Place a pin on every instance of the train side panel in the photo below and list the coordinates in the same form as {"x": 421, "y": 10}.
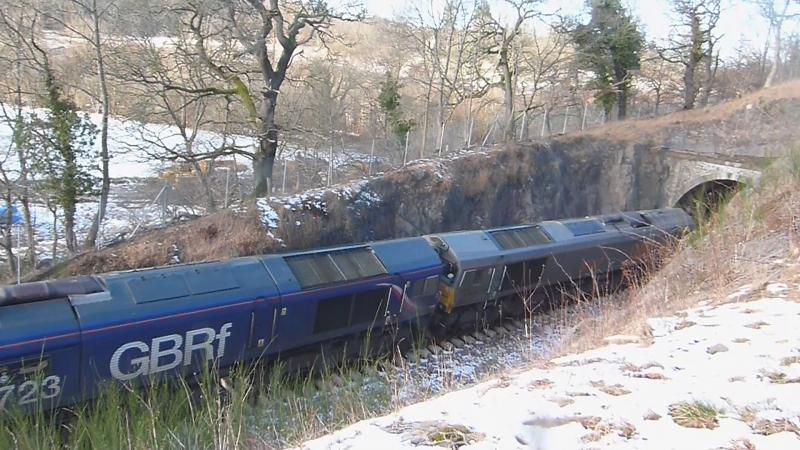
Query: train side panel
{"x": 39, "y": 344}
{"x": 167, "y": 322}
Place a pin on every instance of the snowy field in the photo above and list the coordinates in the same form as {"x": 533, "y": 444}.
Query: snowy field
{"x": 713, "y": 377}
{"x": 132, "y": 170}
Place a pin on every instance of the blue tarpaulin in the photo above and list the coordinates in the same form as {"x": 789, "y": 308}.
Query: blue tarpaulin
{"x": 16, "y": 218}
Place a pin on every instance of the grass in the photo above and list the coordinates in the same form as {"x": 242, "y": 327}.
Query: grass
{"x": 694, "y": 415}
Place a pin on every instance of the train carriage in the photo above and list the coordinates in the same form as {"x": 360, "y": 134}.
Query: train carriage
{"x": 498, "y": 267}
{"x": 60, "y": 341}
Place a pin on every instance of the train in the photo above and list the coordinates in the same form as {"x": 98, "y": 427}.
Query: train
{"x": 62, "y": 340}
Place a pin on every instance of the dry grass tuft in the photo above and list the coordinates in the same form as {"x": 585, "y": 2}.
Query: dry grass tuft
{"x": 757, "y": 325}
{"x": 780, "y": 378}
{"x": 562, "y": 401}
{"x": 540, "y": 384}
{"x": 452, "y": 436}
{"x": 223, "y": 235}
{"x": 789, "y": 360}
{"x": 615, "y": 390}
{"x": 768, "y": 427}
{"x": 694, "y": 415}
{"x": 741, "y": 444}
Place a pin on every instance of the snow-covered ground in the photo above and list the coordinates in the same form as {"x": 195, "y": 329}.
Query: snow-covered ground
{"x": 721, "y": 376}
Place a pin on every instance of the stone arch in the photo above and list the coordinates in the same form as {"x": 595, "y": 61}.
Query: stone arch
{"x": 708, "y": 194}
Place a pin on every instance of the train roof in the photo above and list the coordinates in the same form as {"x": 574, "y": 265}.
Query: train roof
{"x": 483, "y": 247}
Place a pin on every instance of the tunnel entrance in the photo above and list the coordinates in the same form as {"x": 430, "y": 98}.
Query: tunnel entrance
{"x": 707, "y": 197}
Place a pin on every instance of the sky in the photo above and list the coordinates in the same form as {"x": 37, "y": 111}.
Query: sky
{"x": 740, "y": 19}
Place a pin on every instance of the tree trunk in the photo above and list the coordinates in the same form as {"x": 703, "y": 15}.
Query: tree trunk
{"x": 425, "y": 119}
{"x": 69, "y": 229}
{"x": 696, "y": 54}
{"x": 711, "y": 76}
{"x": 264, "y": 159}
{"x": 776, "y": 55}
{"x": 105, "y": 187}
{"x": 211, "y": 203}
{"x": 24, "y": 197}
{"x": 55, "y": 236}
{"x": 622, "y": 104}
{"x": 658, "y": 102}
{"x": 8, "y": 240}
{"x": 689, "y": 87}
{"x": 508, "y": 96}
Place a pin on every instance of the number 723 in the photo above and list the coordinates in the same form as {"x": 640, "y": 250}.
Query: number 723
{"x": 30, "y": 391}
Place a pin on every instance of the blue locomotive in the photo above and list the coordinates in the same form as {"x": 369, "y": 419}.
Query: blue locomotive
{"x": 61, "y": 340}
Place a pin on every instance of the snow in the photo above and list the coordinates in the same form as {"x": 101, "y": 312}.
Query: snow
{"x": 269, "y": 218}
{"x": 127, "y": 139}
{"x": 621, "y": 395}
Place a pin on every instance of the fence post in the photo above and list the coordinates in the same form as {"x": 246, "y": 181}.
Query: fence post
{"x": 524, "y": 124}
{"x": 283, "y": 182}
{"x": 544, "y": 121}
{"x": 227, "y": 183}
{"x": 371, "y": 157}
{"x": 469, "y": 136}
{"x": 19, "y": 252}
{"x": 441, "y": 138}
{"x": 330, "y": 166}
{"x": 566, "y": 120}
{"x": 405, "y": 152}
{"x": 489, "y": 133}
{"x": 583, "y": 121}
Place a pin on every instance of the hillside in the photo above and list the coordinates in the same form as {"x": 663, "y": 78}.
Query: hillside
{"x": 608, "y": 169}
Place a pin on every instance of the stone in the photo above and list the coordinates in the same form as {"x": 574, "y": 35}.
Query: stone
{"x": 651, "y": 415}
{"x": 718, "y": 348}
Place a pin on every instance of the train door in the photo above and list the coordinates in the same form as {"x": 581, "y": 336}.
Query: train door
{"x": 39, "y": 344}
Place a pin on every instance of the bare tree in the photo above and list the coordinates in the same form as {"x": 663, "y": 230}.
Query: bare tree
{"x": 63, "y": 138}
{"x": 544, "y": 73}
{"x": 661, "y": 78}
{"x": 12, "y": 65}
{"x": 84, "y": 19}
{"x": 268, "y": 34}
{"x": 152, "y": 72}
{"x": 776, "y": 12}
{"x": 499, "y": 37}
{"x": 693, "y": 46}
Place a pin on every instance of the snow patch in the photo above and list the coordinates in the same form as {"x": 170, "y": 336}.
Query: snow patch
{"x": 269, "y": 218}
{"x": 625, "y": 396}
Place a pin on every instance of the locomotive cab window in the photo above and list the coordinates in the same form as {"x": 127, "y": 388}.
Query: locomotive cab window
{"x": 522, "y": 274}
{"x": 475, "y": 278}
{"x": 431, "y": 285}
{"x": 427, "y": 286}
